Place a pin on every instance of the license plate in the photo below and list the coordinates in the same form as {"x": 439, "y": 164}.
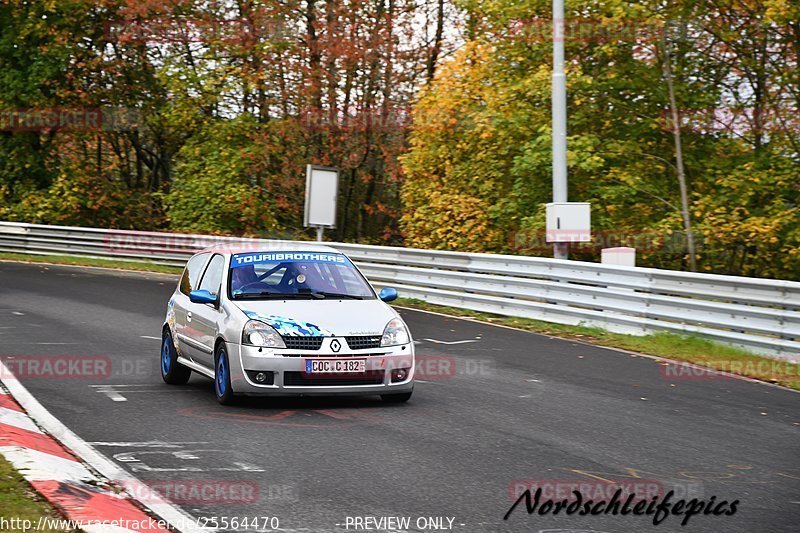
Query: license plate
{"x": 335, "y": 366}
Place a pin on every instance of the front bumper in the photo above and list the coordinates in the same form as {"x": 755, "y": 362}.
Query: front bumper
{"x": 286, "y": 368}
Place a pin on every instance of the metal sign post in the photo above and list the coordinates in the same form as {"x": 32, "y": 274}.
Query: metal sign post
{"x": 560, "y": 249}
{"x": 322, "y": 191}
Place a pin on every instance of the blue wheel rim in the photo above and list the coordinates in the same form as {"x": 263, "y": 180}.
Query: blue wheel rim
{"x": 166, "y": 359}
{"x": 222, "y": 375}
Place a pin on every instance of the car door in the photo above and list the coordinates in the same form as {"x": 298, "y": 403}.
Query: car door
{"x": 190, "y": 281}
{"x": 203, "y": 318}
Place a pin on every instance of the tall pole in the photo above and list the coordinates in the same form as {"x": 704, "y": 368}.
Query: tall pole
{"x": 560, "y": 249}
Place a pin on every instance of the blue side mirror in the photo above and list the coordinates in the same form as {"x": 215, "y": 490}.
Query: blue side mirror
{"x": 388, "y": 294}
{"x": 202, "y": 297}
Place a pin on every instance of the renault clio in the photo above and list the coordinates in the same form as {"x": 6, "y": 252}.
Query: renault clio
{"x": 278, "y": 321}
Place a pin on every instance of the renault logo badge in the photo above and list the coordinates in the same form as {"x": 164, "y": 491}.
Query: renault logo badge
{"x": 336, "y": 345}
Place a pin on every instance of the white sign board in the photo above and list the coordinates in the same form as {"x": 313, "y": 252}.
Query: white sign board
{"x": 322, "y": 189}
{"x": 621, "y": 255}
{"x": 568, "y": 222}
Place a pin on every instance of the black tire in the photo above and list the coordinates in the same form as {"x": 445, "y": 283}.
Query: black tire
{"x": 222, "y": 377}
{"x": 172, "y": 371}
{"x": 402, "y": 397}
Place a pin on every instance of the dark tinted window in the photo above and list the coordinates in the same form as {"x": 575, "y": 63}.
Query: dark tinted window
{"x": 212, "y": 279}
{"x": 191, "y": 274}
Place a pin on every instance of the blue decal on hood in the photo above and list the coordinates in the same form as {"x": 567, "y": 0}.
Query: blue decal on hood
{"x": 290, "y": 327}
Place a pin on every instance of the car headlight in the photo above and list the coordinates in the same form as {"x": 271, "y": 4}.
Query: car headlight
{"x": 257, "y": 333}
{"x": 395, "y": 333}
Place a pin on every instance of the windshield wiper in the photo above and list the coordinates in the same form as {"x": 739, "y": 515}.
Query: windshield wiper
{"x": 338, "y": 295}
{"x": 268, "y": 295}
{"x": 316, "y": 295}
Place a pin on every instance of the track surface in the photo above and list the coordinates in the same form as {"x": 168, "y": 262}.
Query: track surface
{"x": 518, "y": 406}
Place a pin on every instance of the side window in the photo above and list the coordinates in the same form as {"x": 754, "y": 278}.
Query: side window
{"x": 191, "y": 274}
{"x": 212, "y": 279}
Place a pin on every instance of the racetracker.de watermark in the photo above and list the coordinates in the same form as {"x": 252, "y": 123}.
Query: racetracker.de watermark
{"x": 72, "y": 366}
{"x": 538, "y": 241}
{"x": 733, "y": 120}
{"x": 724, "y": 369}
{"x": 66, "y": 119}
{"x": 434, "y": 367}
{"x": 637, "y": 31}
{"x": 587, "y": 30}
{"x": 196, "y": 30}
{"x": 55, "y": 367}
{"x": 604, "y": 491}
{"x": 200, "y": 491}
{"x": 392, "y": 118}
{"x": 151, "y": 243}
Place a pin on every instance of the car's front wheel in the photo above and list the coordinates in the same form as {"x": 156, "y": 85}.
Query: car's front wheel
{"x": 222, "y": 377}
{"x": 172, "y": 371}
{"x": 397, "y": 398}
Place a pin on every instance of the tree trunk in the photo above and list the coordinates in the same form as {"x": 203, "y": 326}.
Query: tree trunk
{"x": 676, "y": 134}
{"x": 437, "y": 41}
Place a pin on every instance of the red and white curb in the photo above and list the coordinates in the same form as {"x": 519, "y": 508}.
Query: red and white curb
{"x": 72, "y": 475}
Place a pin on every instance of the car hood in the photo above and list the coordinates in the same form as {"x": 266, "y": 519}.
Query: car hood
{"x": 297, "y": 318}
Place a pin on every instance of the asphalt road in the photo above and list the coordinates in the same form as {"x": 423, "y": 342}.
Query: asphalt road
{"x": 496, "y": 410}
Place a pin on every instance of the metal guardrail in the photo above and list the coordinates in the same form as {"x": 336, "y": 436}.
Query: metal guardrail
{"x": 759, "y": 314}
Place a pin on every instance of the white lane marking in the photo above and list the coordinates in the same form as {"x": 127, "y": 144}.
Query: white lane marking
{"x": 122, "y": 385}
{"x": 42, "y": 344}
{"x": 525, "y": 396}
{"x": 104, "y": 466}
{"x": 41, "y": 466}
{"x": 156, "y": 391}
{"x": 17, "y": 313}
{"x": 53, "y": 343}
{"x": 147, "y": 444}
{"x": 117, "y": 395}
{"x": 137, "y": 463}
{"x": 533, "y": 380}
{"x": 150, "y": 337}
{"x": 18, "y": 420}
{"x": 117, "y": 385}
{"x": 109, "y": 391}
{"x": 451, "y": 342}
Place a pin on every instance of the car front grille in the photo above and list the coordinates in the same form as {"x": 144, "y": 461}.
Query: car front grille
{"x": 364, "y": 342}
{"x": 331, "y": 355}
{"x": 301, "y": 379}
{"x": 303, "y": 343}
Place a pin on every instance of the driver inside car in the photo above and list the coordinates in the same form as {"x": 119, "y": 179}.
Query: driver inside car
{"x": 243, "y": 276}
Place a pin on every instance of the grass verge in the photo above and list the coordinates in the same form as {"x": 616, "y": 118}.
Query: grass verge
{"x": 19, "y": 501}
{"x": 691, "y": 349}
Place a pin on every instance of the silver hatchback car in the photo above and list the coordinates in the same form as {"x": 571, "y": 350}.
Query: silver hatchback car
{"x": 281, "y": 321}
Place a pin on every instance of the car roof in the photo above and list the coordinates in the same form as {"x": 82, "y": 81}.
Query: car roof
{"x": 268, "y": 246}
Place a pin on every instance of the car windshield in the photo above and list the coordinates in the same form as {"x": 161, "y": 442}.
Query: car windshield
{"x": 311, "y": 275}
